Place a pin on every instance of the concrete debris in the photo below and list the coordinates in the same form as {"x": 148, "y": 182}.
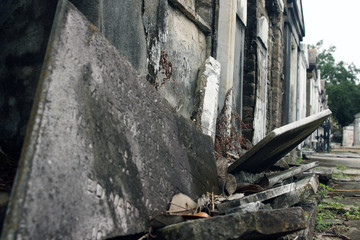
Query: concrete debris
{"x": 303, "y": 189}
{"x": 251, "y": 207}
{"x": 261, "y": 196}
{"x": 276, "y": 178}
{"x": 263, "y": 224}
{"x": 233, "y": 216}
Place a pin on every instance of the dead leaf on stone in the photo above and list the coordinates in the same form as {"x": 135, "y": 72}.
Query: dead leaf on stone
{"x": 182, "y": 204}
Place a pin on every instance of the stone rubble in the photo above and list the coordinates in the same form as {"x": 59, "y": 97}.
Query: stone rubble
{"x": 269, "y": 214}
{"x": 281, "y": 203}
{"x": 286, "y": 209}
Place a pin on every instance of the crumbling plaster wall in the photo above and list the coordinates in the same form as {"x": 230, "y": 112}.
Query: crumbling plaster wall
{"x": 164, "y": 41}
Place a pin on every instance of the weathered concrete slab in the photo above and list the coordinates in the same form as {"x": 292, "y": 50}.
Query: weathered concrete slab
{"x": 303, "y": 190}
{"x": 264, "y": 224}
{"x": 103, "y": 150}
{"x": 278, "y": 177}
{"x": 277, "y": 143}
{"x": 258, "y": 197}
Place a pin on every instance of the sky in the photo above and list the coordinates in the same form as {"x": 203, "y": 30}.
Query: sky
{"x": 337, "y": 23}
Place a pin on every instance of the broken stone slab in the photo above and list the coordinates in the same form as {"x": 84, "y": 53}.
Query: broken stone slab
{"x": 246, "y": 177}
{"x": 324, "y": 174}
{"x": 103, "y": 151}
{"x": 207, "y": 95}
{"x": 263, "y": 224}
{"x": 278, "y": 143}
{"x": 261, "y": 196}
{"x": 304, "y": 188}
{"x": 279, "y": 177}
{"x": 310, "y": 210}
{"x": 250, "y": 207}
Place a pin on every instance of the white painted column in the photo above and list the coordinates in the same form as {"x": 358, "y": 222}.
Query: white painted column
{"x": 226, "y": 50}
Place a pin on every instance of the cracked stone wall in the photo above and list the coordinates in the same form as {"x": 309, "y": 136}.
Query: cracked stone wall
{"x": 167, "y": 41}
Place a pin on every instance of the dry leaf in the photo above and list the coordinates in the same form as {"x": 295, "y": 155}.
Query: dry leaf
{"x": 196, "y": 216}
{"x": 182, "y": 204}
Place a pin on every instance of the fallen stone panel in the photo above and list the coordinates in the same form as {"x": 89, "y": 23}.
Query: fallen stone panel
{"x": 276, "y": 178}
{"x": 278, "y": 143}
{"x": 303, "y": 189}
{"x": 103, "y": 151}
{"x": 263, "y": 224}
{"x": 261, "y": 196}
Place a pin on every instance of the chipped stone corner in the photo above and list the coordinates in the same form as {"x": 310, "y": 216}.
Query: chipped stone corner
{"x": 207, "y": 93}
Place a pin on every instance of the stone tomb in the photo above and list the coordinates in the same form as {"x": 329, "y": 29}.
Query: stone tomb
{"x": 278, "y": 143}
{"x": 103, "y": 151}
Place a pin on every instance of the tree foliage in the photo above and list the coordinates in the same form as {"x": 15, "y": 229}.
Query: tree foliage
{"x": 341, "y": 84}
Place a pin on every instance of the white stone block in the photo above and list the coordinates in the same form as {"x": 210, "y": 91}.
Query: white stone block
{"x": 348, "y": 136}
{"x": 263, "y": 30}
{"x": 208, "y": 90}
{"x": 280, "y": 5}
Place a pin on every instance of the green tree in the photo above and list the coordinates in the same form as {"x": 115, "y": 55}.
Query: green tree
{"x": 341, "y": 84}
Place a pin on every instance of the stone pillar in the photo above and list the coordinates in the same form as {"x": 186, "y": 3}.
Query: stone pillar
{"x": 357, "y": 130}
{"x": 208, "y": 93}
{"x": 348, "y": 136}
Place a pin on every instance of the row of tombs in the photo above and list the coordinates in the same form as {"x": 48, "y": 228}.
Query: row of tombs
{"x": 122, "y": 119}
